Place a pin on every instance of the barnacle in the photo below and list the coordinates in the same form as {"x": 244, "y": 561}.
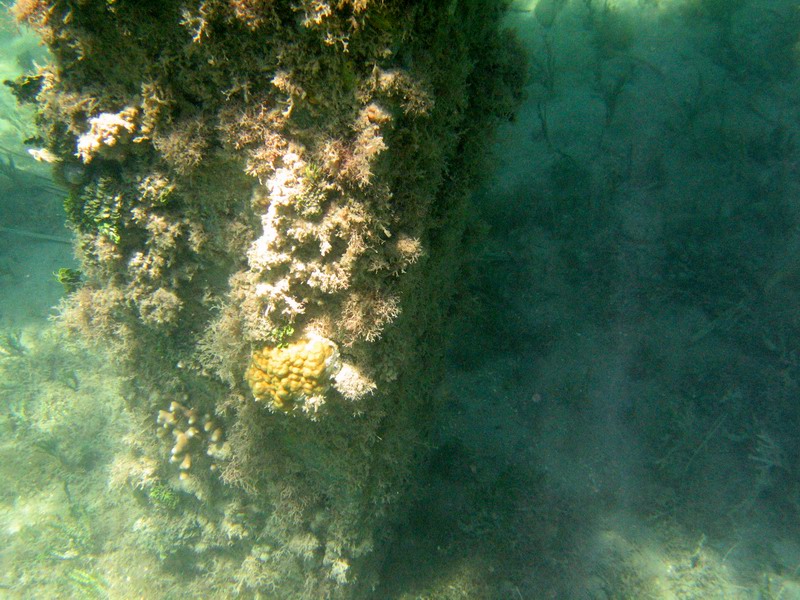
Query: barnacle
{"x": 284, "y": 375}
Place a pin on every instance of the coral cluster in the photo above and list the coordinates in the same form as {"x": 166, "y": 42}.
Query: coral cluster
{"x": 284, "y": 376}
{"x": 196, "y": 439}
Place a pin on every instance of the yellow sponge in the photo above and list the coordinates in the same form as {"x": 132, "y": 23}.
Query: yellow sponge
{"x": 285, "y": 375}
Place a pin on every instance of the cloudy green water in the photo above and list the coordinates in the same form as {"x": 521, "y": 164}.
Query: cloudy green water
{"x": 625, "y": 371}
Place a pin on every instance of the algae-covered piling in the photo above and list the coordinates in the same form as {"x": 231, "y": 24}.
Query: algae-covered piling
{"x": 270, "y": 204}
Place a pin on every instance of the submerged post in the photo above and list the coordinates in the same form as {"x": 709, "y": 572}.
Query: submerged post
{"x": 270, "y": 201}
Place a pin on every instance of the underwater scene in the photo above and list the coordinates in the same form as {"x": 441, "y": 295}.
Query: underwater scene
{"x": 395, "y": 300}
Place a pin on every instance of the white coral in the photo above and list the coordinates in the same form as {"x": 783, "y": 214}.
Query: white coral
{"x": 351, "y": 383}
{"x": 277, "y": 295}
{"x": 106, "y": 131}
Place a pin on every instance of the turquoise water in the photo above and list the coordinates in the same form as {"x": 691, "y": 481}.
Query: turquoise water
{"x": 621, "y": 398}
{"x": 32, "y": 203}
